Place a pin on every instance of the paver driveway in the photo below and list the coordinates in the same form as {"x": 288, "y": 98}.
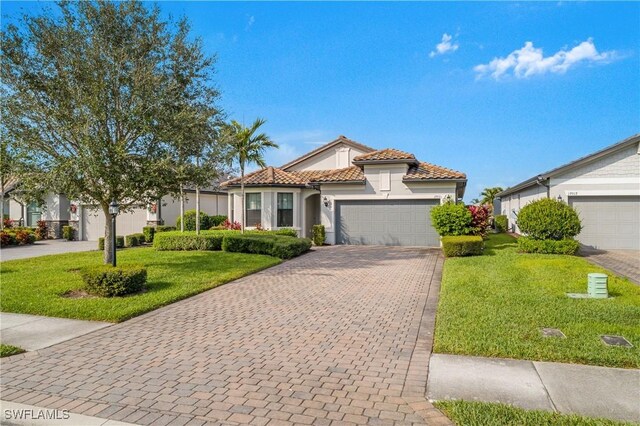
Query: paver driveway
{"x": 342, "y": 334}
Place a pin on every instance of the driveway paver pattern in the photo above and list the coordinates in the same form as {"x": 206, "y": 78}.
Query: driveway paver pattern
{"x": 625, "y": 263}
{"x": 341, "y": 335}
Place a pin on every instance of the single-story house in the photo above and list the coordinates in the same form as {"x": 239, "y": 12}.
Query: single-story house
{"x": 89, "y": 222}
{"x": 361, "y": 195}
{"x": 603, "y": 187}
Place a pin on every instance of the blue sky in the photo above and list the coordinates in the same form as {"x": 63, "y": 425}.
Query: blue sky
{"x": 485, "y": 102}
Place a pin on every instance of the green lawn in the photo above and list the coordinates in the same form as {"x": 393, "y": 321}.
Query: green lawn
{"x": 466, "y": 413}
{"x": 35, "y": 286}
{"x": 494, "y": 305}
{"x": 8, "y": 350}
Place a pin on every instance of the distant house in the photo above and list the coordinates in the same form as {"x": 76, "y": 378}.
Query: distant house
{"x": 89, "y": 222}
{"x": 361, "y": 195}
{"x": 603, "y": 187}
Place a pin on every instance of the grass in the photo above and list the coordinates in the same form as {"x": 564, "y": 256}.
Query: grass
{"x": 494, "y": 305}
{"x": 37, "y": 285}
{"x": 467, "y": 413}
{"x": 8, "y": 350}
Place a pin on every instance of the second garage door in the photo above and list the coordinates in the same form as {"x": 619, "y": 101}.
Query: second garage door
{"x": 388, "y": 222}
{"x": 93, "y": 222}
{"x": 609, "y": 222}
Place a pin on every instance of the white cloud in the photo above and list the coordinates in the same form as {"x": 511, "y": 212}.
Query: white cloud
{"x": 529, "y": 61}
{"x": 251, "y": 20}
{"x": 446, "y": 45}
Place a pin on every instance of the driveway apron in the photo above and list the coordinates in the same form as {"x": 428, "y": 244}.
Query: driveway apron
{"x": 342, "y": 334}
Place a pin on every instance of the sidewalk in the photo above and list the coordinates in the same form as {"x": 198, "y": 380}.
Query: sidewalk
{"x": 33, "y": 332}
{"x": 612, "y": 393}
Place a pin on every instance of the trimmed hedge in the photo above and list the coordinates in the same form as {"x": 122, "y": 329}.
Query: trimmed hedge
{"x": 134, "y": 240}
{"x": 549, "y": 219}
{"x": 501, "y": 222}
{"x": 217, "y": 220}
{"x": 149, "y": 232}
{"x": 190, "y": 221}
{"x": 107, "y": 281}
{"x": 280, "y": 246}
{"x": 451, "y": 219}
{"x": 119, "y": 242}
{"x": 68, "y": 233}
{"x": 319, "y": 235}
{"x": 566, "y": 246}
{"x": 467, "y": 245}
{"x": 164, "y": 228}
{"x": 289, "y": 232}
{"x": 191, "y": 241}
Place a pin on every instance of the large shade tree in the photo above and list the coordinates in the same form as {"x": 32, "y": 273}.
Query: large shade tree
{"x": 102, "y": 97}
{"x": 247, "y": 146}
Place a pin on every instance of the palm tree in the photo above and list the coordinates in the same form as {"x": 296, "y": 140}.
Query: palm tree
{"x": 247, "y": 147}
{"x": 488, "y": 194}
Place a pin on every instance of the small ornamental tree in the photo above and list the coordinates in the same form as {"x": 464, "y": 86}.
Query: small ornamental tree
{"x": 479, "y": 220}
{"x": 451, "y": 219}
{"x": 549, "y": 219}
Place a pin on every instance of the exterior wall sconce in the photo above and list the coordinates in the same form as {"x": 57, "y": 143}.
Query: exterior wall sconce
{"x": 559, "y": 198}
{"x": 326, "y": 202}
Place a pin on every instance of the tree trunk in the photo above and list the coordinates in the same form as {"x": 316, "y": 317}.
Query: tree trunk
{"x": 108, "y": 238}
{"x": 197, "y": 203}
{"x": 244, "y": 207}
{"x": 2, "y": 202}
{"x": 181, "y": 209}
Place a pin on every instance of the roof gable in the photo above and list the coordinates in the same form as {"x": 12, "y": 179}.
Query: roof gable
{"x": 340, "y": 140}
{"x": 385, "y": 156}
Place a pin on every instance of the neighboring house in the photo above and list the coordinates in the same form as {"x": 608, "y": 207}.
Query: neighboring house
{"x": 603, "y": 187}
{"x": 361, "y": 195}
{"x": 89, "y": 222}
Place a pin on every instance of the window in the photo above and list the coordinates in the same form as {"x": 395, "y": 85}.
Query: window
{"x": 285, "y": 209}
{"x": 34, "y": 214}
{"x": 254, "y": 209}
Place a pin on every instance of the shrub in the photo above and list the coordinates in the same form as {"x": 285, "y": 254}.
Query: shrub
{"x": 479, "y": 220}
{"x": 235, "y": 226}
{"x": 119, "y": 242}
{"x": 451, "y": 219}
{"x": 107, "y": 281}
{"x": 68, "y": 233}
{"x": 42, "y": 230}
{"x": 549, "y": 219}
{"x": 141, "y": 237}
{"x": 501, "y": 222}
{"x": 191, "y": 241}
{"x": 190, "y": 221}
{"x": 131, "y": 240}
{"x": 24, "y": 236}
{"x": 566, "y": 246}
{"x": 149, "y": 232}
{"x": 7, "y": 223}
{"x": 466, "y": 245}
{"x": 7, "y": 238}
{"x": 289, "y": 232}
{"x": 319, "y": 235}
{"x": 164, "y": 228}
{"x": 281, "y": 246}
{"x": 217, "y": 220}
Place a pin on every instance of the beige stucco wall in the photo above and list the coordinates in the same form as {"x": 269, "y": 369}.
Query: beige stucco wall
{"x": 329, "y": 159}
{"x": 614, "y": 174}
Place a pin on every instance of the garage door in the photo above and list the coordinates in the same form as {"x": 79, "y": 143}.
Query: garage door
{"x": 609, "y": 222}
{"x": 127, "y": 223}
{"x": 388, "y": 222}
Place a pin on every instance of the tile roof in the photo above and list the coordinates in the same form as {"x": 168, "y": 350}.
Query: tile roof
{"x": 338, "y": 140}
{"x": 427, "y": 171}
{"x": 385, "y": 155}
{"x": 348, "y": 174}
{"x": 268, "y": 176}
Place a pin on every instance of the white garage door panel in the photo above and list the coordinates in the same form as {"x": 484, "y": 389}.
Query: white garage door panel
{"x": 397, "y": 222}
{"x": 93, "y": 222}
{"x": 609, "y": 222}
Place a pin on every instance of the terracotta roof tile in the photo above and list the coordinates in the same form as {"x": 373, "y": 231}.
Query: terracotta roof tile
{"x": 310, "y": 175}
{"x": 385, "y": 155}
{"x": 348, "y": 174}
{"x": 427, "y": 171}
{"x": 268, "y": 176}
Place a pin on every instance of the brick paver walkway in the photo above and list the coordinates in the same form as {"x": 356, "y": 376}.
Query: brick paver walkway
{"x": 340, "y": 335}
{"x": 623, "y": 262}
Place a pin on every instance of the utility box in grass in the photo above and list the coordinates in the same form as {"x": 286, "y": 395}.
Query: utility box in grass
{"x": 597, "y": 286}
